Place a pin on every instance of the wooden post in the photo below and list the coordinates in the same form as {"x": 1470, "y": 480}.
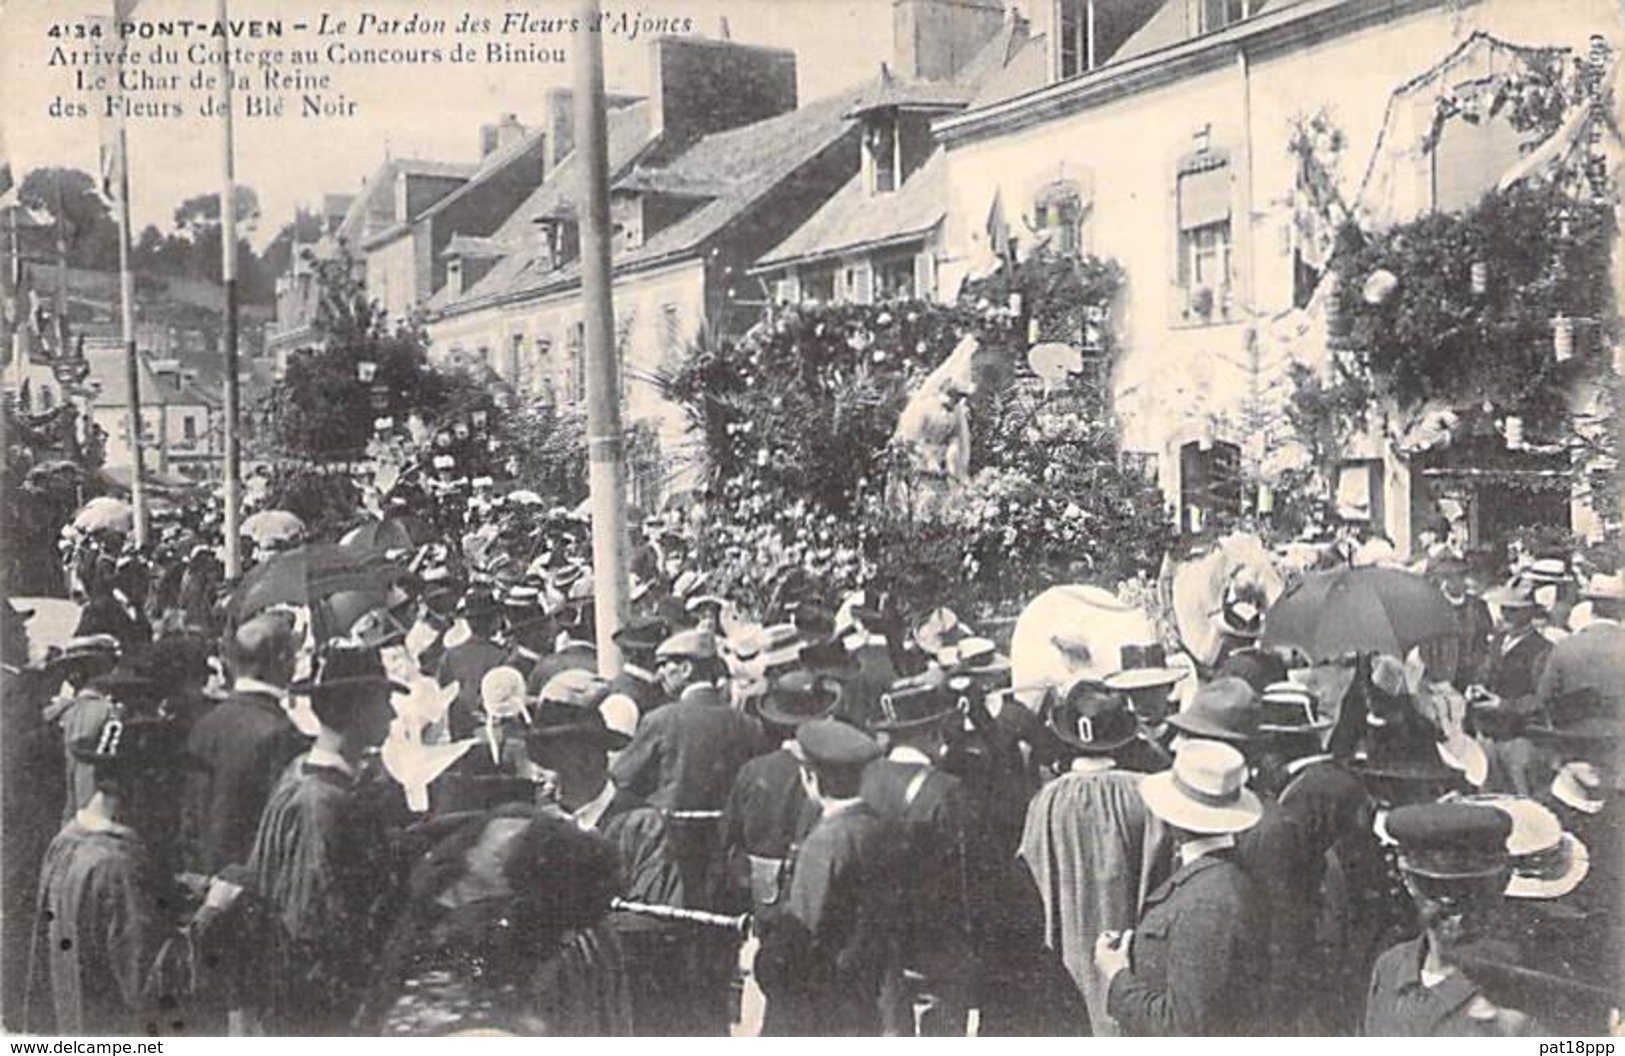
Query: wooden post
{"x": 605, "y": 452}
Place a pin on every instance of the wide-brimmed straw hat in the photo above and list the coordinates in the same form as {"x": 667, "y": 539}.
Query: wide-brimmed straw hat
{"x": 1546, "y": 861}
{"x": 1143, "y": 667}
{"x": 1205, "y": 791}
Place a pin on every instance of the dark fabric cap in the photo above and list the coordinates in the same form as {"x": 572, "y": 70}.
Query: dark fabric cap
{"x": 1450, "y": 840}
{"x": 831, "y": 743}
{"x": 642, "y": 636}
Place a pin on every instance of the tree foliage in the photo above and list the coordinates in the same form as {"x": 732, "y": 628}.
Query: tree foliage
{"x": 190, "y": 249}
{"x": 1542, "y": 254}
{"x": 326, "y": 406}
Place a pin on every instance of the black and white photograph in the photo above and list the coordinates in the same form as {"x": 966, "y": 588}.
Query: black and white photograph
{"x": 801, "y": 518}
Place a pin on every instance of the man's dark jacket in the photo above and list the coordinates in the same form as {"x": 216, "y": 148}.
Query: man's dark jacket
{"x": 244, "y": 742}
{"x": 1196, "y": 958}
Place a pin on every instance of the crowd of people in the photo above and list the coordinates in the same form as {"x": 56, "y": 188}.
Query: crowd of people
{"x": 434, "y": 816}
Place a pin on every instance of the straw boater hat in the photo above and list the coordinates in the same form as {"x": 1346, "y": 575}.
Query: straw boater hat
{"x": 940, "y": 629}
{"x": 779, "y": 648}
{"x": 1605, "y": 588}
{"x": 1289, "y": 708}
{"x": 1546, "y": 861}
{"x": 915, "y": 702}
{"x": 1143, "y": 667}
{"x": 973, "y": 656}
{"x": 1548, "y": 570}
{"x": 1518, "y": 594}
{"x": 688, "y": 645}
{"x": 1204, "y": 792}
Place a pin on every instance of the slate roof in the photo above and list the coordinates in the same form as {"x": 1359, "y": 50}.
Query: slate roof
{"x": 1026, "y": 70}
{"x": 888, "y": 90}
{"x": 472, "y": 246}
{"x": 734, "y": 170}
{"x": 382, "y": 181}
{"x": 107, "y": 374}
{"x": 489, "y": 167}
{"x": 854, "y": 218}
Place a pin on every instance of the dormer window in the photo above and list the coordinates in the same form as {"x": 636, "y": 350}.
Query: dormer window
{"x": 1214, "y": 15}
{"x": 1077, "y": 37}
{"x": 563, "y": 241}
{"x": 880, "y": 151}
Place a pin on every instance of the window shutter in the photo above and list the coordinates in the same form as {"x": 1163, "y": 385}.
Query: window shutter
{"x": 864, "y": 284}
{"x": 1204, "y": 197}
{"x": 925, "y": 275}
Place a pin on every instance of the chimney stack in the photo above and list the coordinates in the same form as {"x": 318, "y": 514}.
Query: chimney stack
{"x": 700, "y": 86}
{"x": 932, "y": 40}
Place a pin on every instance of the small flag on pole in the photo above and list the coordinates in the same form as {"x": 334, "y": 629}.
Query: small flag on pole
{"x": 998, "y": 228}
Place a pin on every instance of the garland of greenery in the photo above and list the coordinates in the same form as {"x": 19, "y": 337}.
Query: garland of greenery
{"x": 795, "y": 421}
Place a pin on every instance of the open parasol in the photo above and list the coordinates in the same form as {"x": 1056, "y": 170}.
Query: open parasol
{"x": 1359, "y": 610}
{"x": 271, "y": 527}
{"x": 105, "y": 514}
{"x": 336, "y": 583}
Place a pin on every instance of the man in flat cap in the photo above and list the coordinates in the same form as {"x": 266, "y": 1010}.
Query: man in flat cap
{"x": 685, "y": 755}
{"x": 1454, "y": 860}
{"x": 683, "y": 760}
{"x": 823, "y": 960}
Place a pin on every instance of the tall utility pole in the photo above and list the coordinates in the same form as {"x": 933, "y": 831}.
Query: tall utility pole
{"x": 606, "y": 474}
{"x": 132, "y": 364}
{"x": 228, "y": 279}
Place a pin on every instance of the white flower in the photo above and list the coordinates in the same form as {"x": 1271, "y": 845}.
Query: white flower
{"x": 1073, "y": 511}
